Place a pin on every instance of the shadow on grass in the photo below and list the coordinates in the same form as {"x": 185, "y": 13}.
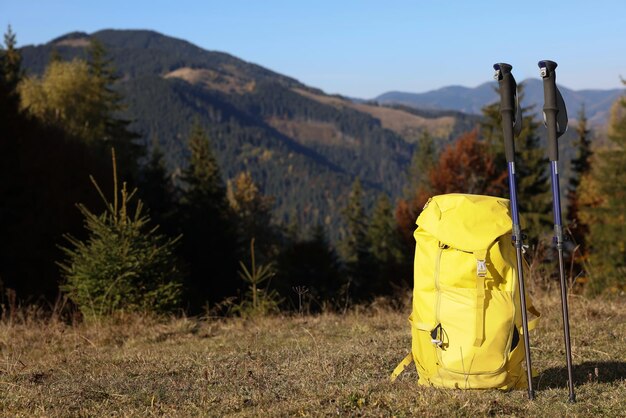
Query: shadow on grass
{"x": 587, "y": 372}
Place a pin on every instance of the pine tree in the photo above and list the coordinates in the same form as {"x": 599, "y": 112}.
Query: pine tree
{"x": 11, "y": 61}
{"x": 209, "y": 244}
{"x": 10, "y": 76}
{"x": 355, "y": 245}
{"x": 607, "y": 232}
{"x": 383, "y": 233}
{"x": 491, "y": 133}
{"x": 156, "y": 189}
{"x": 418, "y": 188}
{"x": 106, "y": 123}
{"x": 581, "y": 164}
{"x": 580, "y": 168}
{"x": 124, "y": 264}
{"x": 252, "y": 211}
{"x": 386, "y": 247}
{"x": 423, "y": 159}
{"x": 533, "y": 188}
{"x": 312, "y": 266}
{"x": 202, "y": 176}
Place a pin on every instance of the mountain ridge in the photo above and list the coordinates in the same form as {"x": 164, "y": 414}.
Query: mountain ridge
{"x": 471, "y": 99}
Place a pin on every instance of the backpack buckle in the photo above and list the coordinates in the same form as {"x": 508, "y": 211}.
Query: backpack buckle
{"x": 481, "y": 268}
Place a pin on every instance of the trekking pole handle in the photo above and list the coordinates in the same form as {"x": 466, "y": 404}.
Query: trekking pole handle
{"x": 550, "y": 108}
{"x": 508, "y": 106}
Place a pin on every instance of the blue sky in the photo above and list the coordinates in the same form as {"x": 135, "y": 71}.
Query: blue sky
{"x": 364, "y": 48}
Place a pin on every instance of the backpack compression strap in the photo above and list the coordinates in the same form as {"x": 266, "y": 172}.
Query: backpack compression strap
{"x": 403, "y": 365}
{"x": 481, "y": 272}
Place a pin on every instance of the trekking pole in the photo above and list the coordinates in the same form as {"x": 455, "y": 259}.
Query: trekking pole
{"x": 511, "y": 126}
{"x": 555, "y": 116}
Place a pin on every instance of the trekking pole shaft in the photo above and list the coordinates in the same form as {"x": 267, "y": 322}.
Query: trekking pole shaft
{"x": 558, "y": 239}
{"x": 550, "y": 111}
{"x": 517, "y": 241}
{"x": 522, "y": 293}
{"x": 508, "y": 110}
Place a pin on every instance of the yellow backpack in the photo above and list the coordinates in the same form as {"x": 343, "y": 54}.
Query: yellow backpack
{"x": 466, "y": 319}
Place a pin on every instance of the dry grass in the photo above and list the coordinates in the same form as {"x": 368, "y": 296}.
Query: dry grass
{"x": 403, "y": 123}
{"x": 74, "y": 43}
{"x": 311, "y": 132}
{"x": 288, "y": 366}
{"x": 407, "y": 124}
{"x": 227, "y": 81}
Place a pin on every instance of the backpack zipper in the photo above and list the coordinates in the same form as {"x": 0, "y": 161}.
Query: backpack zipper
{"x": 437, "y": 288}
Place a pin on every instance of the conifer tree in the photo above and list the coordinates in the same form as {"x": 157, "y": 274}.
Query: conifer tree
{"x": 156, "y": 189}
{"x": 209, "y": 244}
{"x": 311, "y": 265}
{"x": 580, "y": 168}
{"x": 534, "y": 191}
{"x": 124, "y": 264}
{"x": 355, "y": 245}
{"x": 608, "y": 230}
{"x": 533, "y": 188}
{"x": 252, "y": 211}
{"x": 11, "y": 61}
{"x": 383, "y": 233}
{"x": 418, "y": 188}
{"x": 423, "y": 159}
{"x": 106, "y": 123}
{"x": 491, "y": 133}
{"x": 386, "y": 247}
{"x": 10, "y": 76}
{"x": 202, "y": 176}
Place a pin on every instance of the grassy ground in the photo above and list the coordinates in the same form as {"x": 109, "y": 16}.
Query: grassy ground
{"x": 290, "y": 366}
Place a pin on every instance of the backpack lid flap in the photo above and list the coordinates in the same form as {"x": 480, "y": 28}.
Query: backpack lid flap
{"x": 464, "y": 221}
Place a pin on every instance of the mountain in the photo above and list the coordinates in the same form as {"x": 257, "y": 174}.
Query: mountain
{"x": 304, "y": 147}
{"x": 470, "y": 100}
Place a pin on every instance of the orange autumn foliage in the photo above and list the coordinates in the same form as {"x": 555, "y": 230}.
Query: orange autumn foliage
{"x": 465, "y": 166}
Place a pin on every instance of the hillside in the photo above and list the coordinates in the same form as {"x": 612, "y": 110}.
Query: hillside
{"x": 470, "y": 100}
{"x": 304, "y": 147}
